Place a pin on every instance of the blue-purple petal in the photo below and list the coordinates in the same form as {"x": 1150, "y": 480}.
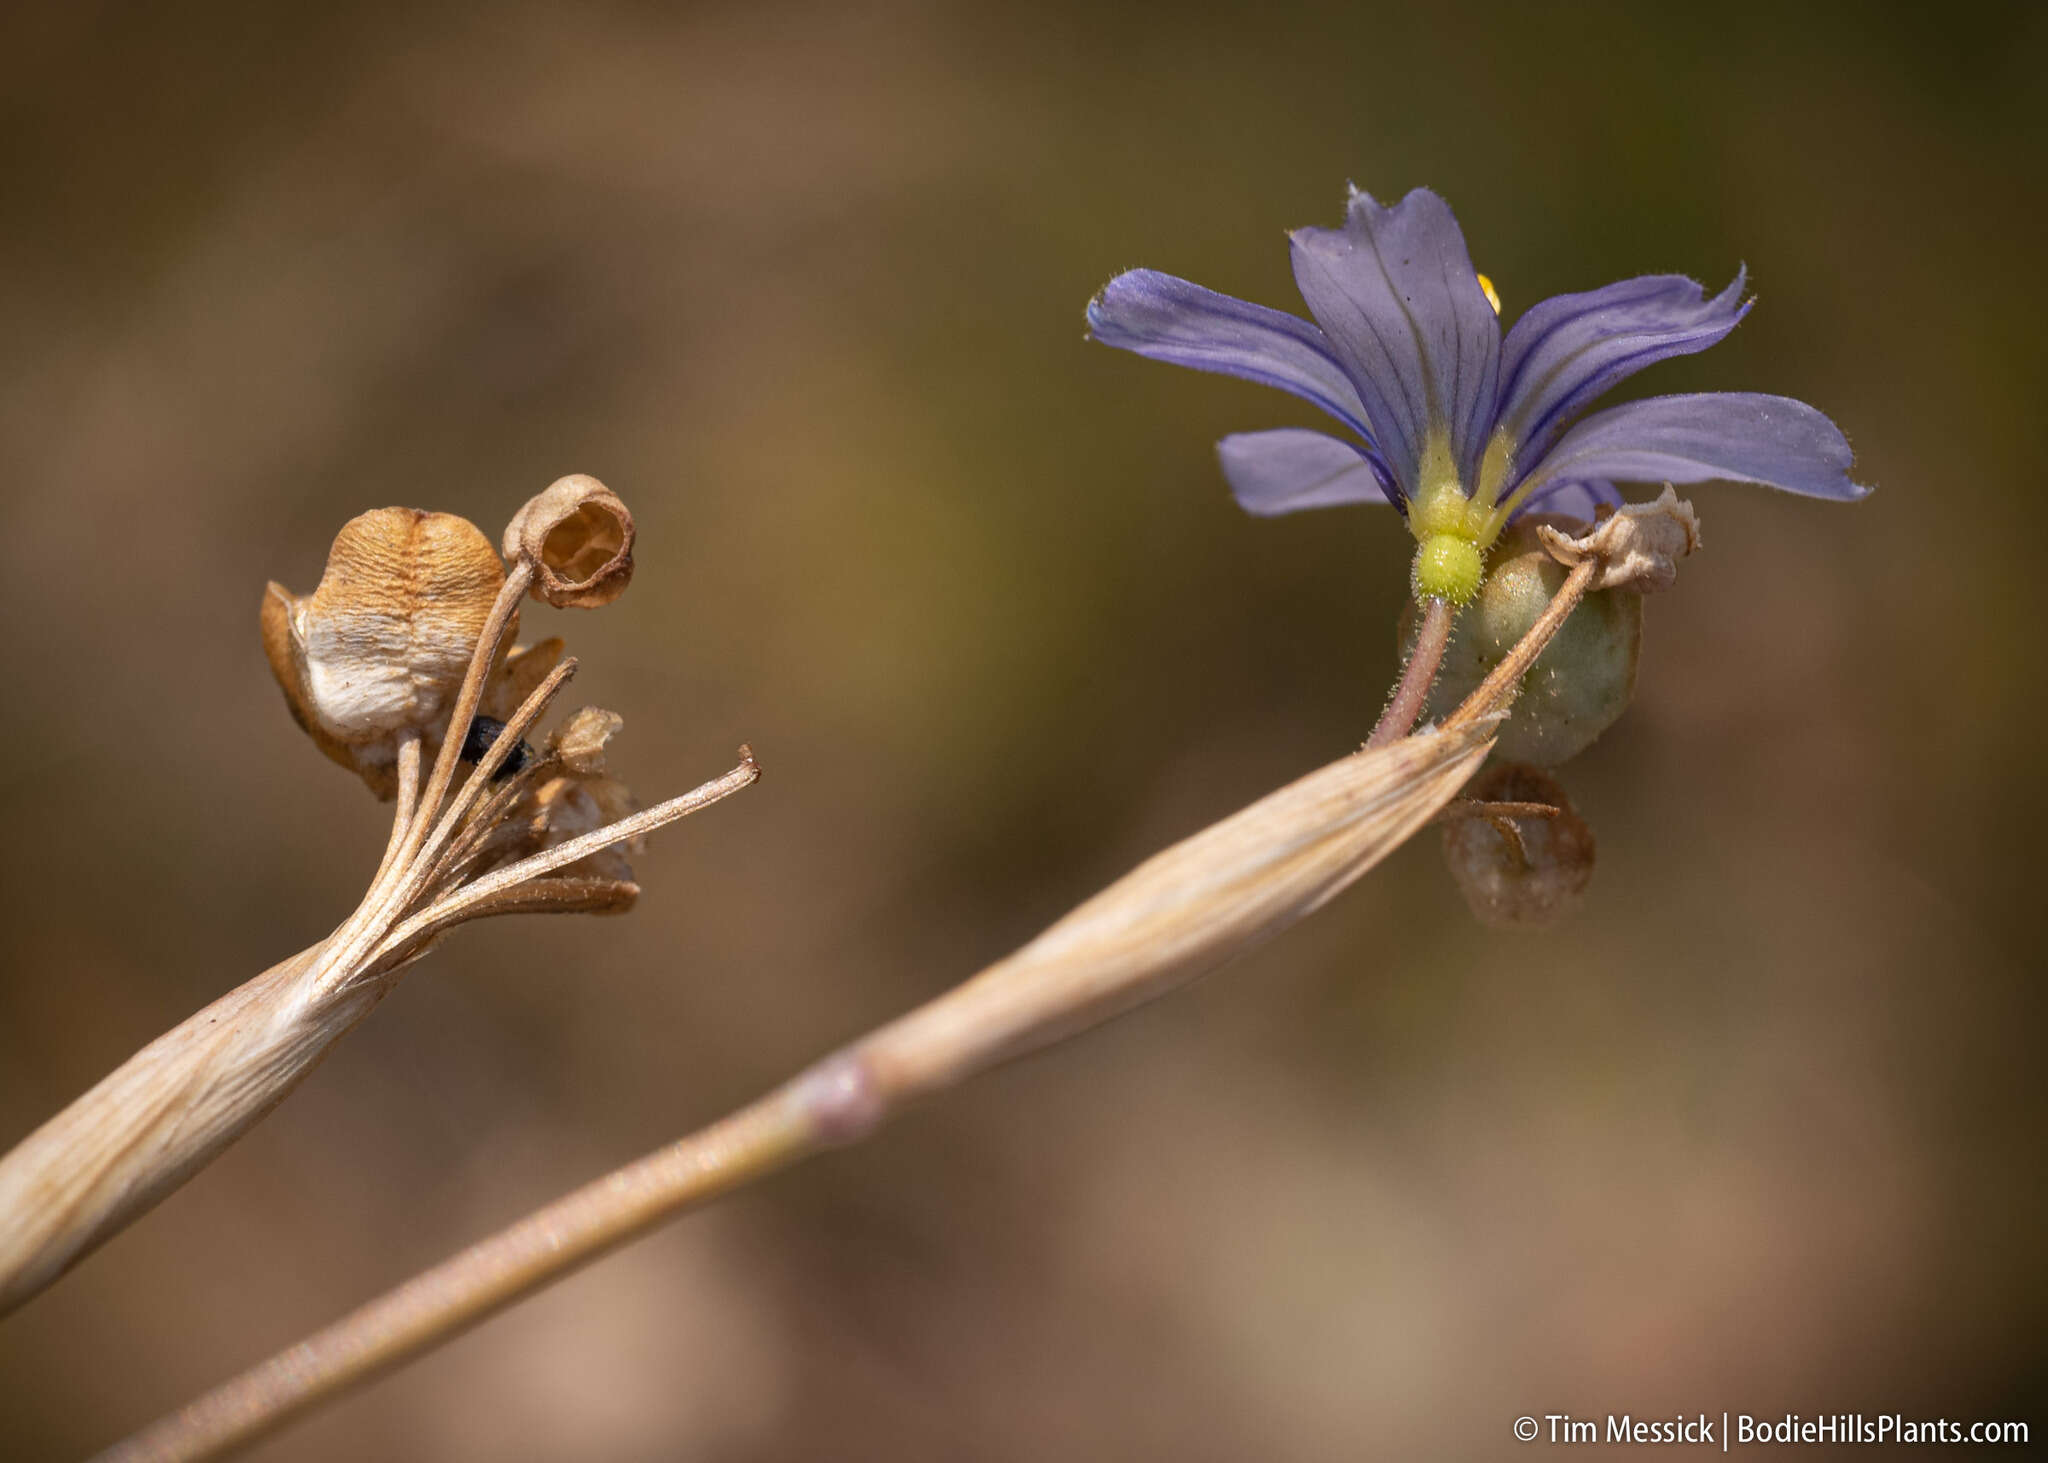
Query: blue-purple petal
{"x": 1568, "y": 350}
{"x": 1290, "y": 468}
{"x": 1579, "y": 498}
{"x": 1734, "y": 435}
{"x": 1169, "y": 319}
{"x": 1396, "y": 295}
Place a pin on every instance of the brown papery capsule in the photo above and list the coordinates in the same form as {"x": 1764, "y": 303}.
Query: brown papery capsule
{"x": 578, "y": 537}
{"x": 382, "y": 645}
{"x": 1519, "y": 871}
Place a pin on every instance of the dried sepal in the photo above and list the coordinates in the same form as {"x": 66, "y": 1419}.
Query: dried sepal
{"x": 580, "y": 742}
{"x": 565, "y": 893}
{"x": 380, "y": 648}
{"x": 1518, "y": 871}
{"x": 558, "y": 806}
{"x": 578, "y": 537}
{"x": 523, "y": 669}
{"x": 1639, "y": 545}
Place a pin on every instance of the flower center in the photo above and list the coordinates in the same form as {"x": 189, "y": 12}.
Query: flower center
{"x": 1452, "y": 528}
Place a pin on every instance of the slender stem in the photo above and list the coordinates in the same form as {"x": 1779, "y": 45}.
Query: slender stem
{"x": 1418, "y": 675}
{"x": 486, "y": 655}
{"x": 459, "y": 858}
{"x": 463, "y": 902}
{"x": 402, "y": 875}
{"x": 1510, "y": 836}
{"x": 1497, "y": 692}
{"x": 433, "y": 856}
{"x": 499, "y": 619}
{"x": 408, "y": 793}
{"x": 1476, "y": 808}
{"x": 447, "y": 1300}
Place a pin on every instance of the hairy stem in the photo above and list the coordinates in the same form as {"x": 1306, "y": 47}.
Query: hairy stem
{"x": 1418, "y": 675}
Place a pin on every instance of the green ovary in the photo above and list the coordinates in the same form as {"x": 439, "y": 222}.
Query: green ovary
{"x": 1452, "y": 531}
{"x": 1449, "y": 567}
{"x": 1451, "y": 527}
{"x": 1577, "y": 688}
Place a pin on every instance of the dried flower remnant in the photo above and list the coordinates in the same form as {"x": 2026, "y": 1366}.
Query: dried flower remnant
{"x": 1456, "y": 427}
{"x": 399, "y": 655}
{"x": 574, "y": 795}
{"x": 1639, "y": 545}
{"x": 1517, "y": 867}
{"x": 578, "y": 537}
{"x": 380, "y": 648}
{"x": 582, "y": 740}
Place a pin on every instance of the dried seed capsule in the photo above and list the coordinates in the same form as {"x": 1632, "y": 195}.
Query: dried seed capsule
{"x": 1521, "y": 871}
{"x": 1581, "y": 683}
{"x": 578, "y": 537}
{"x": 381, "y": 646}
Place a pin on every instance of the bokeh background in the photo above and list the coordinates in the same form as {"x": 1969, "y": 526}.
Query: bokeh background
{"x": 1760, "y": 1130}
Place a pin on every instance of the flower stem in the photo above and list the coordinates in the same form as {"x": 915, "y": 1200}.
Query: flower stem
{"x": 1418, "y": 675}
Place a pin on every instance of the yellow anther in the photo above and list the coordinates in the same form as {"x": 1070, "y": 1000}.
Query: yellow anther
{"x": 1492, "y": 298}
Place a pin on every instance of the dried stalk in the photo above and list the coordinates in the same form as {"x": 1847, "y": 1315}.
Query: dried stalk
{"x": 1183, "y": 912}
{"x": 174, "y": 1106}
{"x": 1179, "y": 914}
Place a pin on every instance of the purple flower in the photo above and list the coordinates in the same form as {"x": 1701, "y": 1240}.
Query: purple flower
{"x": 1460, "y": 429}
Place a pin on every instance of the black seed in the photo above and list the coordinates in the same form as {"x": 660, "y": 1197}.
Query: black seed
{"x": 484, "y": 732}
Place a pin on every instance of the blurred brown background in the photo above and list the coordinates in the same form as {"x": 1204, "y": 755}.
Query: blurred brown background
{"x": 1760, "y": 1130}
